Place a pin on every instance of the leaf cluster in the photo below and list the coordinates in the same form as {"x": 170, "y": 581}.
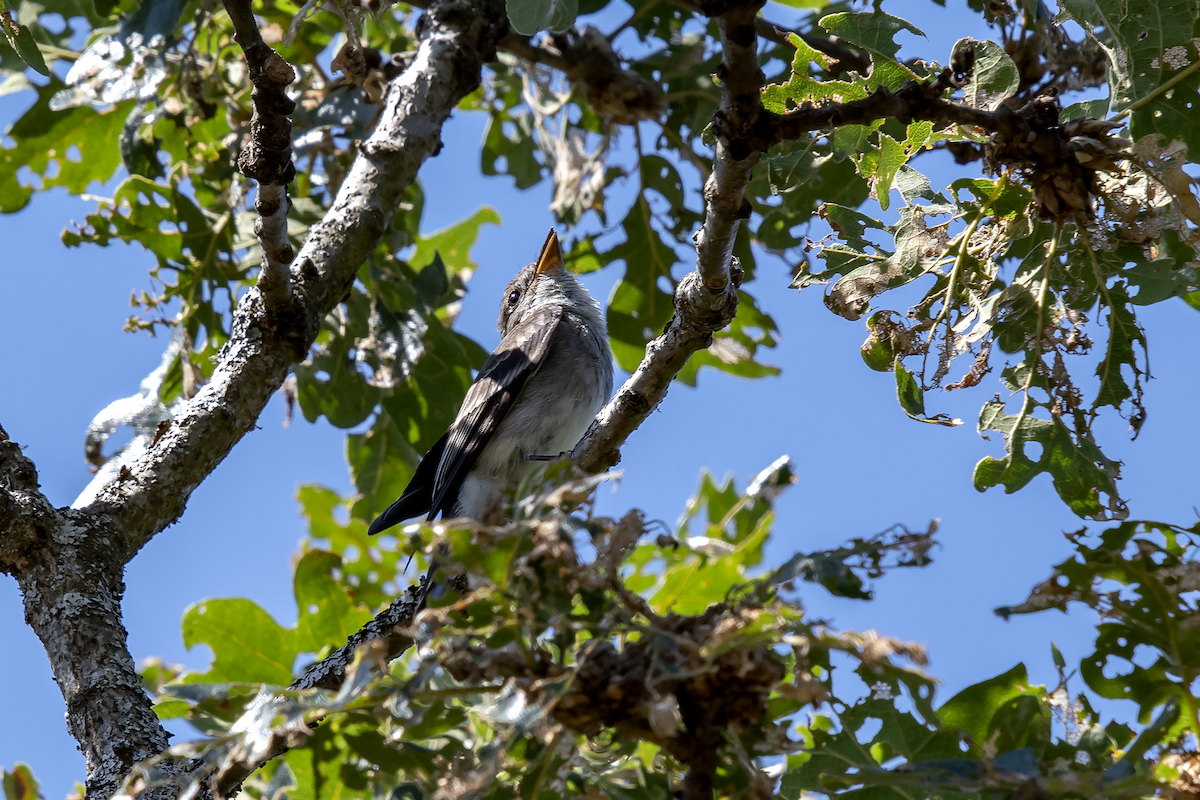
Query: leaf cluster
{"x": 582, "y": 659}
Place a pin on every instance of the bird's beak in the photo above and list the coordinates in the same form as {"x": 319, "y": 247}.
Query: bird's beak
{"x": 551, "y": 256}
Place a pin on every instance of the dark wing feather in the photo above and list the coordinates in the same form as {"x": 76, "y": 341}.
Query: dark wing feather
{"x": 489, "y": 399}
{"x": 434, "y": 486}
{"x": 418, "y": 495}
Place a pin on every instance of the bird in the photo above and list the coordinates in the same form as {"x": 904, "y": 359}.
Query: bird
{"x": 532, "y": 400}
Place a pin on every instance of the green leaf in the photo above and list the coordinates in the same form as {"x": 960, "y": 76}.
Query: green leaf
{"x": 1172, "y": 110}
{"x": 23, "y": 43}
{"x": 1156, "y": 731}
{"x": 639, "y": 308}
{"x": 1136, "y": 576}
{"x": 1096, "y": 109}
{"x": 891, "y": 158}
{"x": 527, "y": 17}
{"x": 368, "y": 563}
{"x": 1135, "y": 40}
{"x": 1123, "y": 334}
{"x": 19, "y": 783}
{"x": 80, "y": 143}
{"x": 517, "y": 149}
{"x": 381, "y": 463}
{"x": 1080, "y": 471}
{"x": 454, "y": 243}
{"x": 1057, "y": 655}
{"x": 972, "y": 709}
{"x": 994, "y": 78}
{"x": 692, "y": 586}
{"x": 802, "y": 87}
{"x": 1021, "y": 722}
{"x": 328, "y": 615}
{"x": 247, "y": 644}
{"x": 908, "y": 391}
{"x": 330, "y": 382}
{"x": 803, "y": 182}
{"x": 166, "y": 221}
{"x": 875, "y": 31}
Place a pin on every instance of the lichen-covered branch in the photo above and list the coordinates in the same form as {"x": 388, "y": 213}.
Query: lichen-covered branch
{"x": 267, "y": 157}
{"x": 71, "y": 585}
{"x": 705, "y": 300}
{"x": 387, "y": 628}
{"x": 456, "y": 39}
{"x": 69, "y": 563}
{"x": 739, "y": 115}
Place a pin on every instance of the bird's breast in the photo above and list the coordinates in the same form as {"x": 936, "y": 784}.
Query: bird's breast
{"x": 556, "y": 405}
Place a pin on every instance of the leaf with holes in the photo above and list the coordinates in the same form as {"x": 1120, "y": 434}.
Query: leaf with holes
{"x": 80, "y": 143}
{"x": 1147, "y": 44}
{"x": 1139, "y": 577}
{"x": 875, "y": 31}
{"x": 1081, "y": 473}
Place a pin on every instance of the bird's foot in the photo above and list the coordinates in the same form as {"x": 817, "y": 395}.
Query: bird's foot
{"x": 564, "y": 454}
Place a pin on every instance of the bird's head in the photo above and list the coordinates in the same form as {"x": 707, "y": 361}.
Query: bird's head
{"x": 545, "y": 282}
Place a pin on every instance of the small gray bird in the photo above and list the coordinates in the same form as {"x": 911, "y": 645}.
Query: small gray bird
{"x": 534, "y": 398}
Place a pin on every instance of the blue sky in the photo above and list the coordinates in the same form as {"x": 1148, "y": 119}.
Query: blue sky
{"x": 862, "y": 464}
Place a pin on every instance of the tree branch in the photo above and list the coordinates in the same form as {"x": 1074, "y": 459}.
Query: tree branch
{"x": 456, "y": 39}
{"x": 267, "y": 157}
{"x": 69, "y": 563}
{"x": 914, "y": 100}
{"x": 386, "y": 628}
{"x": 71, "y": 585}
{"x": 385, "y": 633}
{"x": 706, "y": 299}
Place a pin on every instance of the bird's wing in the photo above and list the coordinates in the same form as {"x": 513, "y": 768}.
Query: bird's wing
{"x": 488, "y": 401}
{"x": 418, "y": 495}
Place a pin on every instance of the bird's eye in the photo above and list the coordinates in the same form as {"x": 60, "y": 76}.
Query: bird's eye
{"x": 513, "y": 297}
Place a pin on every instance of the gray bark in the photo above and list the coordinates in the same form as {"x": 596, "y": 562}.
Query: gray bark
{"x": 69, "y": 563}
{"x": 70, "y": 580}
{"x": 706, "y": 299}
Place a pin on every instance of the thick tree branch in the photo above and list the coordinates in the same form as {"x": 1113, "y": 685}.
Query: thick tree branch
{"x": 69, "y": 563}
{"x": 705, "y": 300}
{"x": 456, "y": 38}
{"x": 71, "y": 586}
{"x": 267, "y": 157}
